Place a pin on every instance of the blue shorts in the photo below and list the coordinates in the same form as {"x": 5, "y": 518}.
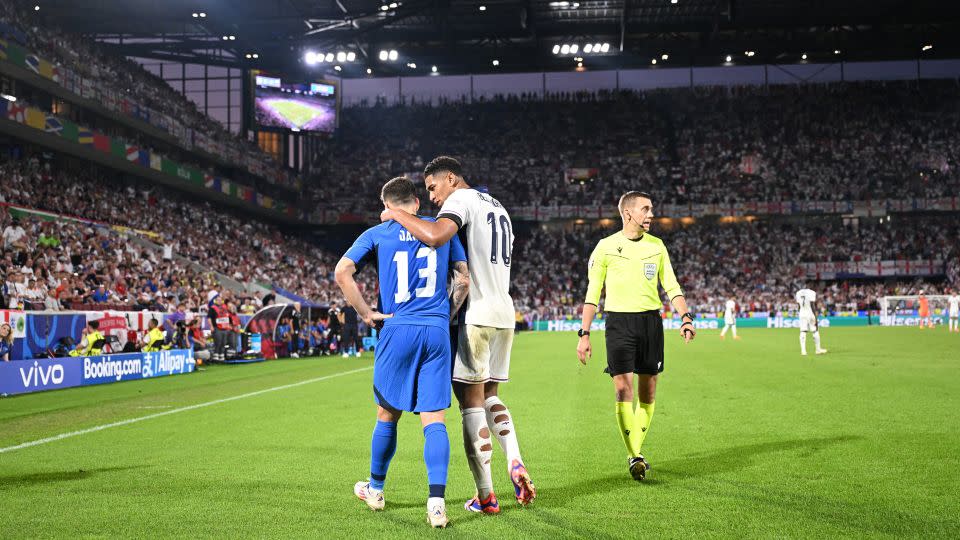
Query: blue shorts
{"x": 412, "y": 368}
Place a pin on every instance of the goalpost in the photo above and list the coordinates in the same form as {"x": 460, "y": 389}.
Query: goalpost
{"x": 904, "y": 310}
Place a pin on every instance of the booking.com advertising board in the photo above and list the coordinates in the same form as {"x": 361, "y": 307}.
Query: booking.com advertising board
{"x": 754, "y": 322}
{"x": 26, "y": 376}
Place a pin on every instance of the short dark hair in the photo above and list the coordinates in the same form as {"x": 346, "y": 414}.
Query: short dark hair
{"x": 94, "y": 324}
{"x": 441, "y": 164}
{"x": 399, "y": 190}
{"x": 629, "y": 196}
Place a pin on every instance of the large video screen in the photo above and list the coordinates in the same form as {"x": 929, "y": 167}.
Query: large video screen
{"x": 283, "y": 105}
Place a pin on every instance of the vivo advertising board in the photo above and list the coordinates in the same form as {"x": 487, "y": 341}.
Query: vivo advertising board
{"x": 25, "y": 376}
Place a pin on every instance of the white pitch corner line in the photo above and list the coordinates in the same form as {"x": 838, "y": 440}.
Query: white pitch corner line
{"x": 175, "y": 411}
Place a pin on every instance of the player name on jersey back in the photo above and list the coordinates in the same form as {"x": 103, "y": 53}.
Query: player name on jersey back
{"x": 487, "y": 230}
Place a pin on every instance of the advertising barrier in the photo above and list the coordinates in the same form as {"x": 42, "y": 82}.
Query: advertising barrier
{"x": 573, "y": 325}
{"x": 37, "y": 332}
{"x": 122, "y": 149}
{"x": 27, "y": 376}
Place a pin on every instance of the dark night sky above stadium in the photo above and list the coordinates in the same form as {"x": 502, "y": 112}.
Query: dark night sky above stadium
{"x": 460, "y": 37}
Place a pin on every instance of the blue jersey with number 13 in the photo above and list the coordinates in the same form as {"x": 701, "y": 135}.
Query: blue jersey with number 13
{"x": 413, "y": 276}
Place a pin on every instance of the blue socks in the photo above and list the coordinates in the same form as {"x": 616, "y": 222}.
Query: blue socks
{"x": 383, "y": 447}
{"x": 436, "y": 454}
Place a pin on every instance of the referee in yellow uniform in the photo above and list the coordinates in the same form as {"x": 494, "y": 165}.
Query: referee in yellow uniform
{"x": 630, "y": 264}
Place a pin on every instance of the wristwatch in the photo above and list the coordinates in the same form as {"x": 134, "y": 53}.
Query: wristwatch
{"x": 687, "y": 314}
{"x": 581, "y": 332}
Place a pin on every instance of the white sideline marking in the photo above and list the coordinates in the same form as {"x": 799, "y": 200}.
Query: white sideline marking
{"x": 174, "y": 411}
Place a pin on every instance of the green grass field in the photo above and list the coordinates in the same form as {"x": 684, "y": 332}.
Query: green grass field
{"x": 749, "y": 440}
{"x": 297, "y": 113}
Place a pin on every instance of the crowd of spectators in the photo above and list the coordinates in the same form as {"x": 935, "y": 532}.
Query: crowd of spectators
{"x": 757, "y": 262}
{"x": 63, "y": 264}
{"x": 849, "y": 141}
{"x": 246, "y": 250}
{"x": 55, "y": 265}
{"x": 88, "y": 58}
{"x": 842, "y": 141}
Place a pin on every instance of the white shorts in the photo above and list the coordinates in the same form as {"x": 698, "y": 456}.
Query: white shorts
{"x": 483, "y": 354}
{"x": 729, "y": 322}
{"x": 808, "y": 324}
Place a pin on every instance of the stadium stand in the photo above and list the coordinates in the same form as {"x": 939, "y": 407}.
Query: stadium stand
{"x": 137, "y": 93}
{"x": 849, "y": 142}
{"x": 235, "y": 246}
{"x": 715, "y": 260}
{"x": 759, "y": 263}
{"x": 833, "y": 142}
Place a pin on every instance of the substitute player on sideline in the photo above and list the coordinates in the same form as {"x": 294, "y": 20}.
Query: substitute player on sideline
{"x": 729, "y": 319}
{"x": 411, "y": 370}
{"x": 630, "y": 264}
{"x": 484, "y": 342}
{"x": 807, "y": 300}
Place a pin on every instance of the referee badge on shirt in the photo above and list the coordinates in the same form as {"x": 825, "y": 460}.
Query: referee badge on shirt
{"x": 650, "y": 270}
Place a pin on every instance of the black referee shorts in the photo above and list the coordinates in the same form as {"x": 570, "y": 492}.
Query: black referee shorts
{"x": 634, "y": 343}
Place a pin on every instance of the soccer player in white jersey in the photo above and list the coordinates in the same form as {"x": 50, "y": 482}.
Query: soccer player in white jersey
{"x": 730, "y": 319}
{"x": 954, "y": 303}
{"x": 807, "y": 300}
{"x": 485, "y": 338}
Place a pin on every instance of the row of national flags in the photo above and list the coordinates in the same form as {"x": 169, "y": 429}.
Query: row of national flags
{"x": 40, "y": 120}
{"x": 86, "y": 87}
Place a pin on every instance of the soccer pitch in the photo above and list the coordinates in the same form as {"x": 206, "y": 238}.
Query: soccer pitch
{"x": 749, "y": 440}
{"x": 298, "y": 114}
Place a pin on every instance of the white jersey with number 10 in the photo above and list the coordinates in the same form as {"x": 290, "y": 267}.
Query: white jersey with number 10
{"x": 489, "y": 244}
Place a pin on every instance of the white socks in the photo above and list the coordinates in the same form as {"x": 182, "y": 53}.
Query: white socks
{"x": 816, "y": 340}
{"x": 803, "y": 343}
{"x": 476, "y": 442}
{"x": 501, "y": 424}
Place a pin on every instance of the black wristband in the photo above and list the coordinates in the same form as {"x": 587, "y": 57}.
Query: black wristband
{"x": 581, "y": 332}
{"x": 688, "y": 314}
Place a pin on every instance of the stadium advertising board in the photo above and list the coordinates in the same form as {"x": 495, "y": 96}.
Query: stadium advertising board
{"x": 26, "y": 376}
{"x": 909, "y": 320}
{"x": 294, "y": 106}
{"x": 717, "y": 323}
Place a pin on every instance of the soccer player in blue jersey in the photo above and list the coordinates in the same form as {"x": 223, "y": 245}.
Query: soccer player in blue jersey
{"x": 412, "y": 363}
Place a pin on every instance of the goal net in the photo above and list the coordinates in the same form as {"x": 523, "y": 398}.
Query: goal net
{"x": 905, "y": 310}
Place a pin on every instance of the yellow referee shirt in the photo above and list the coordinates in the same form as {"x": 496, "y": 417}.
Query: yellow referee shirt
{"x": 631, "y": 270}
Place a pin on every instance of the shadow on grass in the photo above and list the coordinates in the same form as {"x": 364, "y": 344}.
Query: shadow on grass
{"x": 737, "y": 458}
{"x": 20, "y": 480}
{"x": 720, "y": 461}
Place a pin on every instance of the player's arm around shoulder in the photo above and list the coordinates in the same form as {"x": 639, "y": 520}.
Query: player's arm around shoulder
{"x": 433, "y": 233}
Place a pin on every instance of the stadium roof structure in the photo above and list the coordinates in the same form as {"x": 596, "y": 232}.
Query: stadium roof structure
{"x": 483, "y": 36}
